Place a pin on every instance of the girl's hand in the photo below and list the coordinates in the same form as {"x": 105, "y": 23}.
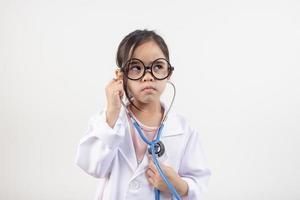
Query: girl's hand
{"x": 114, "y": 91}
{"x": 156, "y": 180}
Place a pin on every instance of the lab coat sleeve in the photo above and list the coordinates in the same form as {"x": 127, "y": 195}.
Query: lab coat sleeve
{"x": 193, "y": 168}
{"x": 97, "y": 149}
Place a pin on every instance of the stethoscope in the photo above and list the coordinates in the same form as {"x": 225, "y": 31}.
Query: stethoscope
{"x": 156, "y": 148}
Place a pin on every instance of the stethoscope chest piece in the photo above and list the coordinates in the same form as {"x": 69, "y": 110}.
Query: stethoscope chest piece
{"x": 159, "y": 149}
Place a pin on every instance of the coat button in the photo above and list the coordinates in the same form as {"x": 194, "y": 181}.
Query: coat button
{"x": 134, "y": 185}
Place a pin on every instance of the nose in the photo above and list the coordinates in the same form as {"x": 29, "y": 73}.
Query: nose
{"x": 148, "y": 76}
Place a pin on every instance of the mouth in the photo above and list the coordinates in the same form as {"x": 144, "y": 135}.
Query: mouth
{"x": 148, "y": 89}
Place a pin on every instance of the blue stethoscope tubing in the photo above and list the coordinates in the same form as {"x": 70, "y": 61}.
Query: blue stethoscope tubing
{"x": 155, "y": 161}
{"x": 152, "y": 147}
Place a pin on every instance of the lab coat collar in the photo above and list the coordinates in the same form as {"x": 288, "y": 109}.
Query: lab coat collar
{"x": 172, "y": 124}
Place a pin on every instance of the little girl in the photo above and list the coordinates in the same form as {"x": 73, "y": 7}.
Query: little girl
{"x": 113, "y": 148}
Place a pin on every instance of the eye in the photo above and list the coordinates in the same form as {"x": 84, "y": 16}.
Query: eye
{"x": 135, "y": 68}
{"x": 157, "y": 67}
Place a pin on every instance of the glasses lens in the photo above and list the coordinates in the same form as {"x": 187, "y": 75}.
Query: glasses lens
{"x": 160, "y": 68}
{"x": 134, "y": 69}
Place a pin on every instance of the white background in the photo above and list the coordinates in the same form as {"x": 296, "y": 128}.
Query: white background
{"x": 236, "y": 72}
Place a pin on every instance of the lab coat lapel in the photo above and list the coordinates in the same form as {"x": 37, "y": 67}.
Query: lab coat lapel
{"x": 126, "y": 147}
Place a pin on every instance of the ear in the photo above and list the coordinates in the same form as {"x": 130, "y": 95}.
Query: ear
{"x": 118, "y": 74}
{"x": 169, "y": 77}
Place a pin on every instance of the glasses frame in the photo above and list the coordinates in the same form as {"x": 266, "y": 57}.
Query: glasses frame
{"x": 148, "y": 68}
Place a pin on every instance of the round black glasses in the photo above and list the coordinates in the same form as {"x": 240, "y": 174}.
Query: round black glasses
{"x": 135, "y": 69}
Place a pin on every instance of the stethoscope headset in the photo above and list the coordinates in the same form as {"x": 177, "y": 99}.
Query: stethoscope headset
{"x": 156, "y": 147}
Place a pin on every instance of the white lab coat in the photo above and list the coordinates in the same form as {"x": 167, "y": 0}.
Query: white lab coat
{"x": 109, "y": 154}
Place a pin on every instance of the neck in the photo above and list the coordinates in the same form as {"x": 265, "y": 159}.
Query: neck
{"x": 149, "y": 114}
{"x": 149, "y": 108}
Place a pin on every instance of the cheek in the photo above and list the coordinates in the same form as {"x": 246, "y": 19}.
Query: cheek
{"x": 162, "y": 86}
{"x": 132, "y": 87}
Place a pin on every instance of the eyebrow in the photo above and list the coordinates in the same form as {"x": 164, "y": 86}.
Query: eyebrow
{"x": 133, "y": 61}
{"x": 158, "y": 61}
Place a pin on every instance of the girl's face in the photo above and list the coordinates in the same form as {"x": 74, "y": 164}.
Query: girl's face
{"x": 147, "y": 89}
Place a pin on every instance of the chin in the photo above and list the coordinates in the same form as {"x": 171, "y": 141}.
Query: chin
{"x": 148, "y": 99}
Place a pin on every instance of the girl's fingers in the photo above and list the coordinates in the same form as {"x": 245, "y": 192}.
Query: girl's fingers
{"x": 158, "y": 160}
{"x": 118, "y": 74}
{"x": 151, "y": 181}
{"x": 150, "y": 173}
{"x": 152, "y": 166}
{"x": 115, "y": 85}
{"x": 116, "y": 81}
{"x": 118, "y": 86}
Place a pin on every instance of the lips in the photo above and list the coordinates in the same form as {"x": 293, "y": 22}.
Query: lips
{"x": 148, "y": 88}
